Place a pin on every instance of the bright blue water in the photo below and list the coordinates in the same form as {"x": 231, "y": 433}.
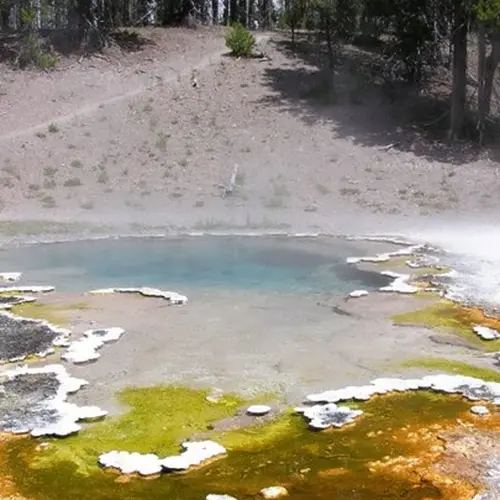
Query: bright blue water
{"x": 284, "y": 265}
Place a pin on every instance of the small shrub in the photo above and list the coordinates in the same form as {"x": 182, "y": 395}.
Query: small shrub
{"x": 240, "y": 41}
{"x": 49, "y": 171}
{"x": 87, "y": 205}
{"x": 103, "y": 177}
{"x": 161, "y": 141}
{"x": 73, "y": 182}
{"x": 33, "y": 53}
{"x": 49, "y": 184}
{"x": 48, "y": 202}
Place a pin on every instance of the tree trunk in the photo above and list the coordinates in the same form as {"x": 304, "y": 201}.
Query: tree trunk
{"x": 233, "y": 11}
{"x": 243, "y": 12}
{"x": 327, "y": 28}
{"x": 458, "y": 93}
{"x": 481, "y": 74}
{"x": 5, "y": 17}
{"x": 252, "y": 17}
{"x": 490, "y": 67}
{"x": 266, "y": 6}
{"x": 215, "y": 12}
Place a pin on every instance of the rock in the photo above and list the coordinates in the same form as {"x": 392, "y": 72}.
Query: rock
{"x": 219, "y": 497}
{"x": 27, "y": 289}
{"x": 358, "y": 293}
{"x": 37, "y": 402}
{"x": 385, "y": 257}
{"x": 172, "y": 297}
{"x": 329, "y": 415}
{"x": 400, "y": 283}
{"x": 85, "y": 348}
{"x": 274, "y": 492}
{"x": 480, "y": 410}
{"x": 128, "y": 463}
{"x": 486, "y": 333}
{"x": 258, "y": 410}
{"x": 195, "y": 453}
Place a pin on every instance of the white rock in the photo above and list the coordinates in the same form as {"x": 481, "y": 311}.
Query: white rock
{"x": 358, "y": 293}
{"x": 486, "y": 333}
{"x": 330, "y": 415}
{"x": 26, "y": 289}
{"x": 422, "y": 261}
{"x": 61, "y": 429}
{"x": 129, "y": 463}
{"x": 258, "y": 410}
{"x": 213, "y": 496}
{"x": 384, "y": 257}
{"x": 480, "y": 410}
{"x": 400, "y": 283}
{"x": 90, "y": 412}
{"x": 172, "y": 297}
{"x": 85, "y": 348}
{"x": 10, "y": 277}
{"x": 196, "y": 452}
{"x": 274, "y": 492}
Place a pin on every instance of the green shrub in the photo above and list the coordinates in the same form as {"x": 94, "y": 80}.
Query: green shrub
{"x": 33, "y": 54}
{"x": 240, "y": 41}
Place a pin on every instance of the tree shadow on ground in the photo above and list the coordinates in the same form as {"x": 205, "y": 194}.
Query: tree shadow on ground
{"x": 362, "y": 105}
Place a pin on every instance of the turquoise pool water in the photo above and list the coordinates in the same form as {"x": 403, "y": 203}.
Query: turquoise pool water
{"x": 271, "y": 264}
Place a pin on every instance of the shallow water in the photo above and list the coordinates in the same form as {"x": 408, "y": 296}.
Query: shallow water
{"x": 285, "y": 265}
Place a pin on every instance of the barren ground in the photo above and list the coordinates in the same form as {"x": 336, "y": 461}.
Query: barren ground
{"x": 247, "y": 342}
{"x": 126, "y": 140}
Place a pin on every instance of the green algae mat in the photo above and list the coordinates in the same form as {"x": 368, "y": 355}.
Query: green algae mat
{"x": 333, "y": 464}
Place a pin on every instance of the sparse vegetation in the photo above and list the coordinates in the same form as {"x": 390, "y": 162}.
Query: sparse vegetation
{"x": 76, "y": 164}
{"x": 6, "y": 182}
{"x": 53, "y": 128}
{"x": 346, "y": 191}
{"x": 103, "y": 177}
{"x": 87, "y": 205}
{"x": 161, "y": 141}
{"x": 49, "y": 183}
{"x": 322, "y": 189}
{"x": 240, "y": 178}
{"x": 48, "y": 201}
{"x": 49, "y": 171}
{"x": 13, "y": 171}
{"x": 73, "y": 182}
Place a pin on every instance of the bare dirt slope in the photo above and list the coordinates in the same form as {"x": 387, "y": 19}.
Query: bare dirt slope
{"x": 128, "y": 139}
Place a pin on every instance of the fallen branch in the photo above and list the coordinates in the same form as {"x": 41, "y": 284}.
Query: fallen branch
{"x": 228, "y": 189}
